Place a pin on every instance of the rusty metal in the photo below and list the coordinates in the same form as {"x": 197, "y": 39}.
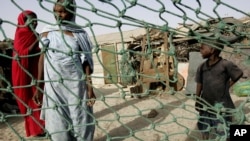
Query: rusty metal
{"x": 155, "y": 66}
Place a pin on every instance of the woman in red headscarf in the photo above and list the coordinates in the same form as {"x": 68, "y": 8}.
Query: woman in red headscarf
{"x": 25, "y": 70}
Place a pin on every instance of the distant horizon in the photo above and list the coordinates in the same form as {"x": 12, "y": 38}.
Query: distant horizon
{"x": 242, "y": 19}
{"x": 102, "y": 25}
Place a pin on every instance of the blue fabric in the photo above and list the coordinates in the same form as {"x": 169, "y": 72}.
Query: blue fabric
{"x": 65, "y": 111}
{"x": 82, "y": 37}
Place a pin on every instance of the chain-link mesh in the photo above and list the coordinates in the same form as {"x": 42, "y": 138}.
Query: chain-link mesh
{"x": 148, "y": 71}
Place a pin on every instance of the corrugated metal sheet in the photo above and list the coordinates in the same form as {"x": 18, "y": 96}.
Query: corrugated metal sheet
{"x": 110, "y": 64}
{"x": 116, "y": 37}
{"x": 111, "y": 39}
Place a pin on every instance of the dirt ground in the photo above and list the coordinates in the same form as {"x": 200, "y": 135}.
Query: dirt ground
{"x": 120, "y": 117}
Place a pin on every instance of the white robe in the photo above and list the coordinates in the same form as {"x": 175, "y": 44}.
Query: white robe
{"x": 64, "y": 110}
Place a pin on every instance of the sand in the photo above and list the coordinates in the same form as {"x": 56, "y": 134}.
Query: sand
{"x": 124, "y": 118}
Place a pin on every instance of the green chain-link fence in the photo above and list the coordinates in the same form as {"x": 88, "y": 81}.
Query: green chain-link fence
{"x": 144, "y": 77}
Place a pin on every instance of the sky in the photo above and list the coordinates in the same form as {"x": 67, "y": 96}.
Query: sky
{"x": 105, "y": 19}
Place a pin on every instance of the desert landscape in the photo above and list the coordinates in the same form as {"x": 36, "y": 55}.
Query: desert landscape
{"x": 155, "y": 117}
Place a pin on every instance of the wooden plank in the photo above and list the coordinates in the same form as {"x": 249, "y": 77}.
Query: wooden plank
{"x": 154, "y": 71}
{"x": 152, "y": 78}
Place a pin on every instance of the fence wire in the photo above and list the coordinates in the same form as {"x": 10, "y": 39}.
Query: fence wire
{"x": 148, "y": 88}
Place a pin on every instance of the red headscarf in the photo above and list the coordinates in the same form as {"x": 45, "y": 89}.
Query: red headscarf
{"x": 24, "y": 36}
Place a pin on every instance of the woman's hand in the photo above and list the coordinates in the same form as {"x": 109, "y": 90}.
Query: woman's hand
{"x": 91, "y": 94}
{"x": 91, "y": 98}
{"x": 37, "y": 98}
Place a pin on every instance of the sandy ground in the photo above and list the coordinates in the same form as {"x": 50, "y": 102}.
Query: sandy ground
{"x": 121, "y": 117}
